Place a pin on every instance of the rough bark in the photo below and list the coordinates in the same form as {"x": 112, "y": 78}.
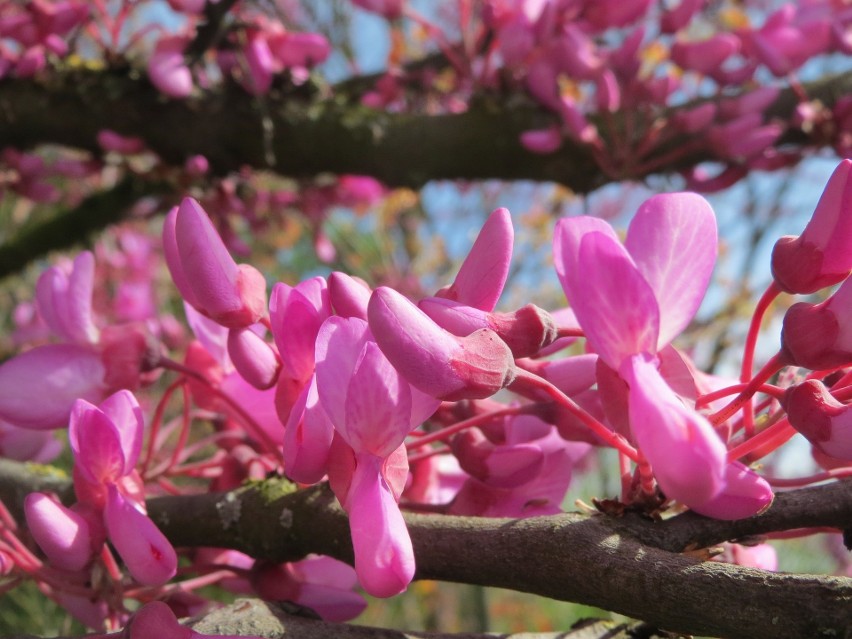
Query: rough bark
{"x": 305, "y": 132}
{"x": 630, "y": 564}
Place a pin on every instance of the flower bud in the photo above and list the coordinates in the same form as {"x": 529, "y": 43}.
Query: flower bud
{"x": 822, "y": 255}
{"x": 817, "y": 336}
{"x": 204, "y": 272}
{"x": 824, "y": 421}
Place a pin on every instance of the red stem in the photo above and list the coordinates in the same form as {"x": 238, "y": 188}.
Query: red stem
{"x": 775, "y": 363}
{"x": 769, "y": 295}
{"x": 525, "y": 379}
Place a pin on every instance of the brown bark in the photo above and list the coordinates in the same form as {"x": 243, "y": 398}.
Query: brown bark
{"x": 630, "y": 564}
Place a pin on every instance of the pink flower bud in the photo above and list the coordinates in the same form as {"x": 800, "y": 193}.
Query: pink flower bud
{"x": 349, "y": 296}
{"x": 819, "y": 336}
{"x": 65, "y": 300}
{"x": 253, "y": 358}
{"x": 433, "y": 360}
{"x": 390, "y": 9}
{"x": 707, "y": 55}
{"x": 167, "y": 69}
{"x": 823, "y": 420}
{"x": 204, "y": 272}
{"x": 822, "y": 254}
{"x": 109, "y": 140}
{"x": 60, "y": 532}
{"x": 542, "y": 140}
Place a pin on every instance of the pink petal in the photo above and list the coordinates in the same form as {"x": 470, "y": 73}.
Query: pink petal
{"x": 296, "y": 315}
{"x": 567, "y": 235}
{"x": 60, "y": 532}
{"x": 455, "y": 317}
{"x": 148, "y": 555}
{"x": 79, "y": 321}
{"x": 155, "y": 620}
{"x": 173, "y": 260}
{"x": 705, "y": 56}
{"x": 307, "y": 438}
{"x": 260, "y": 66}
{"x": 416, "y": 346}
{"x": 673, "y": 241}
{"x": 234, "y": 296}
{"x": 253, "y": 358}
{"x": 126, "y": 415}
{"x": 338, "y": 347}
{"x": 38, "y": 387}
{"x": 349, "y": 296}
{"x": 506, "y": 466}
{"x": 384, "y": 557}
{"x": 483, "y": 273}
{"x": 65, "y": 302}
{"x": 616, "y": 307}
{"x": 167, "y": 69}
{"x": 331, "y": 603}
{"x": 96, "y": 443}
{"x": 686, "y": 454}
{"x": 745, "y": 494}
{"x": 378, "y": 405}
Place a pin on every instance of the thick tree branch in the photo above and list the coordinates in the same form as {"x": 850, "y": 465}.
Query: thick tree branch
{"x": 314, "y": 134}
{"x": 631, "y": 565}
{"x": 74, "y": 225}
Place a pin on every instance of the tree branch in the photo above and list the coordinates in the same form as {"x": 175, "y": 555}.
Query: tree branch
{"x": 630, "y": 565}
{"x": 73, "y": 225}
{"x": 313, "y": 134}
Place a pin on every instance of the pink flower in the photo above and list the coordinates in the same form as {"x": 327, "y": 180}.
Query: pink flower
{"x": 204, "y": 272}
{"x": 106, "y": 442}
{"x": 787, "y": 40}
{"x": 526, "y": 474}
{"x": 65, "y": 300}
{"x": 372, "y": 409}
{"x": 167, "y": 68}
{"x": 822, "y": 255}
{"x": 824, "y": 421}
{"x": 631, "y": 301}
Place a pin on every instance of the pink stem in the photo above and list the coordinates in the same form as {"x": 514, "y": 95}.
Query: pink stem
{"x": 444, "y": 433}
{"x": 780, "y": 432}
{"x": 767, "y": 389}
{"x": 527, "y": 380}
{"x": 798, "y": 482}
{"x": 769, "y": 295}
{"x": 771, "y": 367}
{"x": 441, "y": 450}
